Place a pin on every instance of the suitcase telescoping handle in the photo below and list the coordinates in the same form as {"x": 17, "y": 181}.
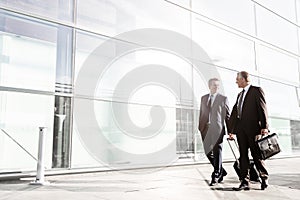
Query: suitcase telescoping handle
{"x": 233, "y": 139}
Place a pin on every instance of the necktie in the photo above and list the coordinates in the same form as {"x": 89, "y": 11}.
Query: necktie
{"x": 209, "y": 102}
{"x": 239, "y": 107}
{"x": 209, "y": 107}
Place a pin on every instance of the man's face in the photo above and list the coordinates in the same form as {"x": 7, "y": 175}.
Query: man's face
{"x": 214, "y": 87}
{"x": 240, "y": 81}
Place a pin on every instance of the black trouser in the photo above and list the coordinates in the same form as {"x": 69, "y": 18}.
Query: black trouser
{"x": 246, "y": 141}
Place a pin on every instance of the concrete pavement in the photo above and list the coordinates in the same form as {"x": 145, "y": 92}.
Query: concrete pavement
{"x": 174, "y": 183}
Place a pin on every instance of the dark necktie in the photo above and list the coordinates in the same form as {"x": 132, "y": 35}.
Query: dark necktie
{"x": 209, "y": 107}
{"x": 239, "y": 107}
{"x": 209, "y": 103}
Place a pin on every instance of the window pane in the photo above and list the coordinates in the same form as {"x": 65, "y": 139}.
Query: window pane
{"x": 184, "y": 3}
{"x": 115, "y": 143}
{"x": 284, "y": 8}
{"x": 283, "y": 129}
{"x": 295, "y": 132}
{"x": 278, "y": 95}
{"x": 140, "y": 66}
{"x": 298, "y": 11}
{"x": 234, "y": 13}
{"x": 114, "y": 17}
{"x": 224, "y": 48}
{"x": 277, "y": 65}
{"x": 56, "y": 9}
{"x": 28, "y": 55}
{"x": 21, "y": 116}
{"x": 228, "y": 82}
{"x": 276, "y": 30}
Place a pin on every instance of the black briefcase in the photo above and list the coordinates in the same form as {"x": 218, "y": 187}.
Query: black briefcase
{"x": 268, "y": 146}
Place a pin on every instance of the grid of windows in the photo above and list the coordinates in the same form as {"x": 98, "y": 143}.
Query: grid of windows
{"x": 47, "y": 46}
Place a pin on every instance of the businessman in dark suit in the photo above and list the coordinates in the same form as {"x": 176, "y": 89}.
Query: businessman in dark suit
{"x": 214, "y": 114}
{"x": 249, "y": 122}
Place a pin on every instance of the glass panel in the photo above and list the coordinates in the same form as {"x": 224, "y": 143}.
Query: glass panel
{"x": 284, "y": 8}
{"x": 21, "y": 116}
{"x": 224, "y": 48}
{"x": 184, "y": 132}
{"x": 121, "y": 135}
{"x": 64, "y": 59}
{"x": 234, "y": 13}
{"x": 133, "y": 76}
{"x": 231, "y": 89}
{"x": 278, "y": 95}
{"x": 28, "y": 56}
{"x": 276, "y": 30}
{"x": 80, "y": 156}
{"x": 56, "y": 9}
{"x": 184, "y": 3}
{"x": 114, "y": 17}
{"x": 298, "y": 95}
{"x": 277, "y": 65}
{"x": 283, "y": 129}
{"x": 295, "y": 131}
{"x": 142, "y": 77}
{"x": 298, "y": 11}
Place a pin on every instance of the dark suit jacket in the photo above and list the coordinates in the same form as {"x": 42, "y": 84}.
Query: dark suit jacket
{"x": 220, "y": 114}
{"x": 254, "y": 113}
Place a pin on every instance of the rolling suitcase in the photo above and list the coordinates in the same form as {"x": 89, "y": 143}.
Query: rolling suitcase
{"x": 253, "y": 173}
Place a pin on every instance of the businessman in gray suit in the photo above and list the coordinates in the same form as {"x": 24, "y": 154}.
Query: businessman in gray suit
{"x": 214, "y": 115}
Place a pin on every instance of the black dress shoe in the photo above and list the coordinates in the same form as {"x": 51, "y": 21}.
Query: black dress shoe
{"x": 243, "y": 186}
{"x": 213, "y": 182}
{"x": 222, "y": 176}
{"x": 264, "y": 184}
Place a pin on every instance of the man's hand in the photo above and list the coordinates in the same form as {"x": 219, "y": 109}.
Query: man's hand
{"x": 231, "y": 136}
{"x": 264, "y": 132}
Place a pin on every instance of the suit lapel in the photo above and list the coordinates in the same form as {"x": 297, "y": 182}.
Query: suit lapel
{"x": 246, "y": 97}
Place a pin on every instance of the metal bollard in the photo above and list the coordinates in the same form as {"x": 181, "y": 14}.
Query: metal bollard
{"x": 40, "y": 180}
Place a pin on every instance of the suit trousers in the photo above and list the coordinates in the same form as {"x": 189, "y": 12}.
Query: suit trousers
{"x": 246, "y": 141}
{"x": 215, "y": 158}
{"x": 213, "y": 150}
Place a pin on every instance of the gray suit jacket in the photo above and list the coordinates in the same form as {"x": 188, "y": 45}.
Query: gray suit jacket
{"x": 219, "y": 117}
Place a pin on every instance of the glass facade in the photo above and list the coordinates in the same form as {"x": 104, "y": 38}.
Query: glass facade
{"x": 118, "y": 85}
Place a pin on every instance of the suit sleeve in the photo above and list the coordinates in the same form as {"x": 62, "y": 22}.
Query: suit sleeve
{"x": 233, "y": 118}
{"x": 262, "y": 109}
{"x": 200, "y": 113}
{"x": 227, "y": 115}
